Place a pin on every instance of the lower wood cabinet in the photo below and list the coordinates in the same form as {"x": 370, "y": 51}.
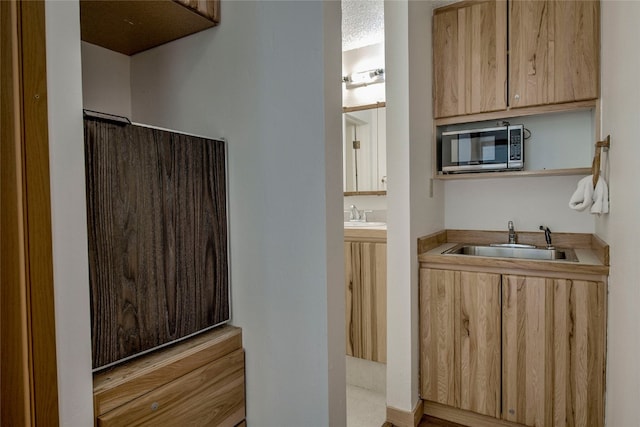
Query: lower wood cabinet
{"x": 460, "y": 339}
{"x": 528, "y": 350}
{"x": 553, "y": 335}
{"x": 365, "y": 266}
{"x": 199, "y": 382}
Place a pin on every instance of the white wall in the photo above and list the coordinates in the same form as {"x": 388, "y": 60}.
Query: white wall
{"x": 378, "y": 203}
{"x": 412, "y": 212}
{"x": 489, "y": 204}
{"x": 620, "y": 112}
{"x": 362, "y": 59}
{"x": 559, "y": 140}
{"x": 68, "y": 214}
{"x": 264, "y": 80}
{"x": 106, "y": 80}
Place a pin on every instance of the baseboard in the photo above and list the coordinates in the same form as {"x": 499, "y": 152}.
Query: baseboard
{"x": 460, "y": 416}
{"x": 400, "y": 418}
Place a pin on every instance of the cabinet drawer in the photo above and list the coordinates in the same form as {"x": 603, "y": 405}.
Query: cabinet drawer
{"x": 210, "y": 395}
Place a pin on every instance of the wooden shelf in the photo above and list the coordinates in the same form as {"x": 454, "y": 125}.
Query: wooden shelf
{"x": 518, "y": 112}
{"x": 516, "y": 174}
{"x": 130, "y": 27}
{"x": 366, "y": 193}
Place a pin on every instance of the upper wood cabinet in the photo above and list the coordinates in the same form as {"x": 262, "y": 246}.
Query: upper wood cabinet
{"x": 469, "y": 58}
{"x": 207, "y": 8}
{"x": 553, "y": 52}
{"x": 130, "y": 27}
{"x": 460, "y": 339}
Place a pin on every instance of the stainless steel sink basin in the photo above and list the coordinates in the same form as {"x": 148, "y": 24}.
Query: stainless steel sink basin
{"x": 512, "y": 245}
{"x": 360, "y": 224}
{"x": 515, "y": 252}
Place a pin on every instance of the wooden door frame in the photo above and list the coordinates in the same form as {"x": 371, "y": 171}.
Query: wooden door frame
{"x": 28, "y": 368}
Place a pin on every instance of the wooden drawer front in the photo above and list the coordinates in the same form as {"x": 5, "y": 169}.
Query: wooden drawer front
{"x": 212, "y": 395}
{"x": 138, "y": 377}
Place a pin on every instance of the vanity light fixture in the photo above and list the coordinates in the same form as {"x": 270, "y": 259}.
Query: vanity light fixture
{"x": 364, "y": 78}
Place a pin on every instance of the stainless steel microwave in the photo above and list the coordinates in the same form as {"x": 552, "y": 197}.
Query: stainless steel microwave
{"x": 481, "y": 150}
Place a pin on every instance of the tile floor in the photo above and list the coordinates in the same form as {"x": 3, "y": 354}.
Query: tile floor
{"x": 365, "y": 408}
{"x": 366, "y": 386}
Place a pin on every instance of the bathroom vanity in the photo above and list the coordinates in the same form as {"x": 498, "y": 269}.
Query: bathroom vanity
{"x": 365, "y": 268}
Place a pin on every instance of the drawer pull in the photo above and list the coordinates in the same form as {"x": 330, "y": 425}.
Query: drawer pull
{"x": 155, "y": 406}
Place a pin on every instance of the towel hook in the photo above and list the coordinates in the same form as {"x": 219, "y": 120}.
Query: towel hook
{"x": 595, "y": 167}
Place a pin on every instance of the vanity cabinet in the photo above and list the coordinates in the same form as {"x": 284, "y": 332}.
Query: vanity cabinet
{"x": 552, "y": 54}
{"x": 365, "y": 267}
{"x": 524, "y": 349}
{"x": 469, "y": 58}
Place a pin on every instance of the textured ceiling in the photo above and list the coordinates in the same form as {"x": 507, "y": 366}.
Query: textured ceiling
{"x": 362, "y": 23}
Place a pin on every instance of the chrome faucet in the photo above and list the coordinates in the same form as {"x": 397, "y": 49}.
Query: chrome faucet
{"x": 512, "y": 234}
{"x": 547, "y": 236}
{"x": 354, "y": 214}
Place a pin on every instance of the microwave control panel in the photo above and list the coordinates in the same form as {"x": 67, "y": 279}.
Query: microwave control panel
{"x": 515, "y": 140}
{"x": 516, "y": 153}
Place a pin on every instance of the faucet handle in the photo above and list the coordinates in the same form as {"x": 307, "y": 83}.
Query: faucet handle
{"x": 547, "y": 236}
{"x": 354, "y": 213}
{"x": 364, "y": 214}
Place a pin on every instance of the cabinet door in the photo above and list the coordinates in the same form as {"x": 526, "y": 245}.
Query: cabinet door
{"x": 553, "y": 52}
{"x": 527, "y": 359}
{"x": 439, "y": 299}
{"x": 366, "y": 291}
{"x": 460, "y": 339}
{"x": 479, "y": 346}
{"x": 553, "y": 351}
{"x": 579, "y": 340}
{"x": 469, "y": 58}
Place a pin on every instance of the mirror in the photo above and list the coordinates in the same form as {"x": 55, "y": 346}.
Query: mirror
{"x": 364, "y": 148}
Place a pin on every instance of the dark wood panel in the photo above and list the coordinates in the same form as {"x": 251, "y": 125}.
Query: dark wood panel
{"x": 157, "y": 223}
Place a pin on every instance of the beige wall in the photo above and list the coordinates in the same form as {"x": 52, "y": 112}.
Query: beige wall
{"x": 268, "y": 80}
{"x": 621, "y": 228}
{"x": 363, "y": 59}
{"x": 106, "y": 80}
{"x": 68, "y": 217}
{"x": 412, "y": 212}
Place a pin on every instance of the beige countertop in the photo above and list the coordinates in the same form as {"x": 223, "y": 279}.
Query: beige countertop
{"x": 376, "y": 234}
{"x": 592, "y": 253}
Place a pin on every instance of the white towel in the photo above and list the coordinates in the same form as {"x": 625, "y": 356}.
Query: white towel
{"x": 582, "y": 198}
{"x": 600, "y": 197}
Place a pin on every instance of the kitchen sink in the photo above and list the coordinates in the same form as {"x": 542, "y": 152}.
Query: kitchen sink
{"x": 511, "y": 251}
{"x": 512, "y": 245}
{"x": 364, "y": 224}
